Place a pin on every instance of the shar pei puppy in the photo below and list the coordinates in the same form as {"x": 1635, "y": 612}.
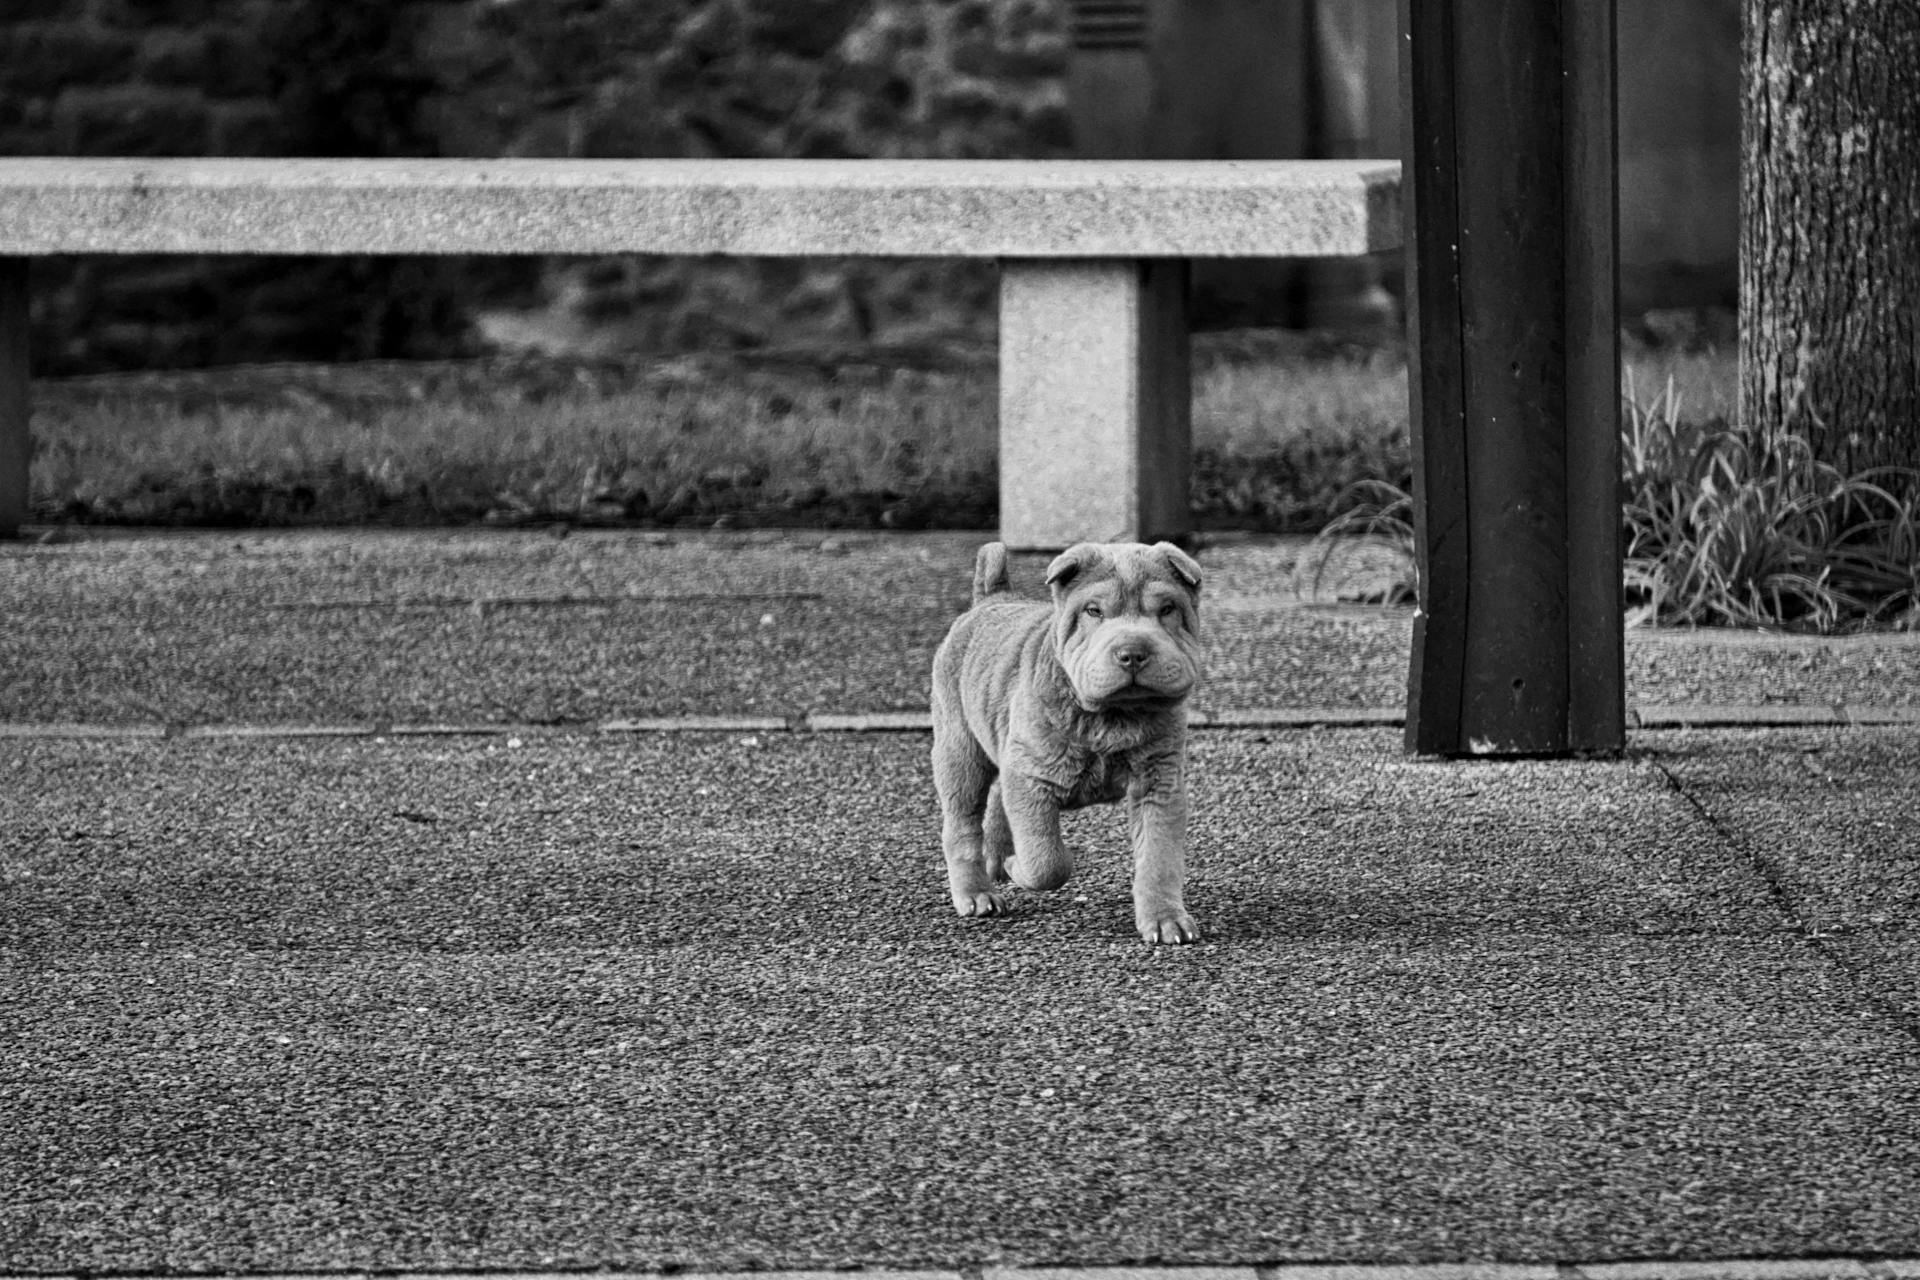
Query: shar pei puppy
{"x": 1040, "y": 708}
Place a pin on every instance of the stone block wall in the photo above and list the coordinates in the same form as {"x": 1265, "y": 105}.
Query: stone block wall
{"x": 577, "y": 78}
{"x": 747, "y": 78}
{"x": 795, "y": 78}
{"x": 221, "y": 78}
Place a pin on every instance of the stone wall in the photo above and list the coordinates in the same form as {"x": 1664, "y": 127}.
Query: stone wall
{"x": 585, "y": 78}
{"x": 126, "y": 77}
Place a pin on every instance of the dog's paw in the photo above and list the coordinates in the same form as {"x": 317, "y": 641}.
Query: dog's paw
{"x": 985, "y": 903}
{"x": 1169, "y": 927}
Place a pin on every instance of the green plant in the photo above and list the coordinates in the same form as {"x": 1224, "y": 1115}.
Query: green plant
{"x": 722, "y": 438}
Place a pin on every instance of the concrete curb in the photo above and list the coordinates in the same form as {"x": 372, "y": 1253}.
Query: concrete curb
{"x": 65, "y": 730}
{"x": 1767, "y": 715}
{"x": 694, "y": 724}
{"x": 1733, "y": 716}
{"x": 1299, "y": 718}
{"x": 1675, "y": 1269}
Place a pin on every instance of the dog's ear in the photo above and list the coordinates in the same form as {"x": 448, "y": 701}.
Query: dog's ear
{"x": 1067, "y": 566}
{"x": 1184, "y": 566}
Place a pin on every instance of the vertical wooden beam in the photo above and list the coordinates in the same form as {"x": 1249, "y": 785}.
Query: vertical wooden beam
{"x": 1429, "y": 186}
{"x": 1517, "y": 649}
{"x": 16, "y": 444}
{"x": 1596, "y": 642}
{"x": 1095, "y": 401}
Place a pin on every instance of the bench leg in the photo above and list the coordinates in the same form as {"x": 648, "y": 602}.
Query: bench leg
{"x": 1095, "y": 401}
{"x": 16, "y": 446}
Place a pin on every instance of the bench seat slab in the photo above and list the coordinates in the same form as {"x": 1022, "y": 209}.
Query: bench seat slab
{"x": 805, "y": 208}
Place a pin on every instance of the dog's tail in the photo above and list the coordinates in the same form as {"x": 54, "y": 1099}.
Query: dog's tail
{"x": 990, "y": 571}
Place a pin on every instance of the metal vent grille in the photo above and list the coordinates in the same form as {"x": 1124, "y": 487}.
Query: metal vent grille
{"x": 1108, "y": 24}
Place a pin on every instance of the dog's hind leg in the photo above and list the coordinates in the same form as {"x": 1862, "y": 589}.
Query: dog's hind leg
{"x": 997, "y": 834}
{"x": 963, "y": 776}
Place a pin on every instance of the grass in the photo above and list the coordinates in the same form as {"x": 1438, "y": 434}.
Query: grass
{"x": 670, "y": 451}
{"x": 1277, "y": 441}
{"x": 1279, "y": 447}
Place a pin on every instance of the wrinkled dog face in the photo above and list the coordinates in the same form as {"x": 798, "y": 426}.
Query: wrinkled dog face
{"x": 1126, "y": 623}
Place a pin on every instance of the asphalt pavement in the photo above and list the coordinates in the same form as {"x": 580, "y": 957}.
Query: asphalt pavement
{"x": 377, "y": 904}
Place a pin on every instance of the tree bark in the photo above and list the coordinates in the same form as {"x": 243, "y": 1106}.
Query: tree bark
{"x": 1830, "y": 227}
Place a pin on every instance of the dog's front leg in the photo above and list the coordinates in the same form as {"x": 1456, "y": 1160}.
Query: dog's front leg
{"x": 962, "y": 775}
{"x": 1040, "y": 858}
{"x": 1157, "y": 819}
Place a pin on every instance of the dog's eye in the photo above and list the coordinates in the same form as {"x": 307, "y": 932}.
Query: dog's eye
{"x": 1168, "y": 609}
{"x": 1095, "y": 611}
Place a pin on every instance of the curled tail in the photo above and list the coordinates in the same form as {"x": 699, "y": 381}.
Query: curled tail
{"x": 990, "y": 571}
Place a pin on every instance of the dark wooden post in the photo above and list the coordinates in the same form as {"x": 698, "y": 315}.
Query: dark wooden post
{"x": 16, "y": 445}
{"x": 1511, "y": 188}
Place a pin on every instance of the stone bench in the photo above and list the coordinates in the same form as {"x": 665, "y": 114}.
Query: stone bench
{"x": 1094, "y": 385}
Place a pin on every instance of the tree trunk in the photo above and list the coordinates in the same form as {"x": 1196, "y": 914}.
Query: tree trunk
{"x": 1830, "y": 227}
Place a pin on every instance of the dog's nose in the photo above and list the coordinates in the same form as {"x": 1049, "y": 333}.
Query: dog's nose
{"x": 1132, "y": 656}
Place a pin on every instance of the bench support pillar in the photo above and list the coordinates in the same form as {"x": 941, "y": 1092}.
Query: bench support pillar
{"x": 16, "y": 445}
{"x": 1095, "y": 401}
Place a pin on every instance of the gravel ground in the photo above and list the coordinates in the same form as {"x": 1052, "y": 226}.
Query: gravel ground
{"x": 1830, "y": 818}
{"x": 500, "y": 627}
{"x": 698, "y": 1000}
{"x": 564, "y": 1000}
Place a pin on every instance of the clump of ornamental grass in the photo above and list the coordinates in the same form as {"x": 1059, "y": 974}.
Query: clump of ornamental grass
{"x": 1733, "y": 528}
{"x": 1378, "y": 516}
{"x": 1720, "y": 528}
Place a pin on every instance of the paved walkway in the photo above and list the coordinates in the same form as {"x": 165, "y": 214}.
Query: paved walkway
{"x": 532, "y": 986}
